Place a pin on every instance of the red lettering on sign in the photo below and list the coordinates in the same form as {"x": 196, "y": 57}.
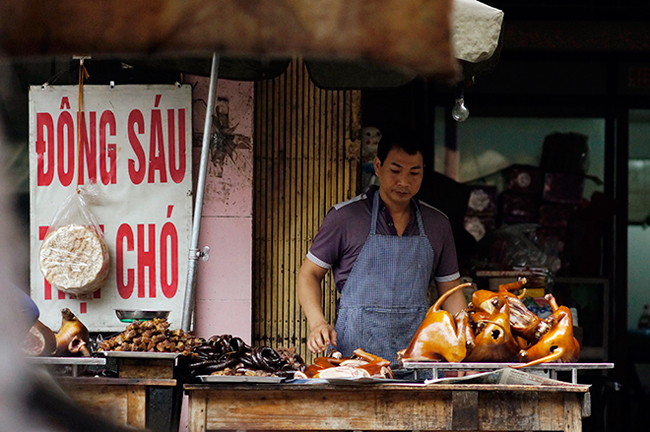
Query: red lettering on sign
{"x": 169, "y": 263}
{"x": 156, "y": 149}
{"x": 88, "y": 148}
{"x": 108, "y": 151}
{"x": 136, "y": 174}
{"x": 44, "y": 149}
{"x": 177, "y": 174}
{"x": 125, "y": 289}
{"x": 147, "y": 259}
{"x": 65, "y": 148}
{"x": 65, "y": 103}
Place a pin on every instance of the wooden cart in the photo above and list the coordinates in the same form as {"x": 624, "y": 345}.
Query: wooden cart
{"x": 124, "y": 401}
{"x": 440, "y": 407}
{"x": 145, "y": 394}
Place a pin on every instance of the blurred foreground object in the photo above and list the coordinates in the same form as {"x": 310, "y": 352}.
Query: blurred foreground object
{"x": 29, "y": 399}
{"x": 475, "y": 30}
{"x": 411, "y": 34}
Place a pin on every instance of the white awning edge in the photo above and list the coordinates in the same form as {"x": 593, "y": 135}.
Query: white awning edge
{"x": 475, "y": 29}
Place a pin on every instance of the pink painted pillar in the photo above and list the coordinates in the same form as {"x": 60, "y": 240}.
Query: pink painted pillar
{"x": 224, "y": 283}
{"x": 223, "y": 292}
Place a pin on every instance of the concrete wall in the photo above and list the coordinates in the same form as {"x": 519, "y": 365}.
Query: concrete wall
{"x": 224, "y": 288}
{"x": 223, "y": 297}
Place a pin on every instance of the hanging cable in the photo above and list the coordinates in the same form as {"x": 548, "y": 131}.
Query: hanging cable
{"x": 83, "y": 74}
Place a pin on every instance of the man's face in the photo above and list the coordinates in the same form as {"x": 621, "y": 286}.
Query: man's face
{"x": 400, "y": 176}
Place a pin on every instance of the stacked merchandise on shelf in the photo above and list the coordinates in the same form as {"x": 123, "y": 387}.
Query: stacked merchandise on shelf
{"x": 536, "y": 286}
{"x": 481, "y": 211}
{"x": 540, "y": 218}
{"x": 547, "y": 196}
{"x": 564, "y": 159}
{"x": 519, "y": 202}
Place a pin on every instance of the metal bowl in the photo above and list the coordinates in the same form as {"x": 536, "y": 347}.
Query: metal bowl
{"x": 129, "y": 315}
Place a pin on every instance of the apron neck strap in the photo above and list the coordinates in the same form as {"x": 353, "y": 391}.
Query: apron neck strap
{"x": 375, "y": 215}
{"x": 419, "y": 218}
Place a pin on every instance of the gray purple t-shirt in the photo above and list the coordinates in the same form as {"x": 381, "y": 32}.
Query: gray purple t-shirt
{"x": 347, "y": 225}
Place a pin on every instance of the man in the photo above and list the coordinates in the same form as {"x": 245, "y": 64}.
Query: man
{"x": 384, "y": 248}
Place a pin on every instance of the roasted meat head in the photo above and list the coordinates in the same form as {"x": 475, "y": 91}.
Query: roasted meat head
{"x": 440, "y": 336}
{"x": 523, "y": 323}
{"x": 558, "y": 344}
{"x": 493, "y": 338}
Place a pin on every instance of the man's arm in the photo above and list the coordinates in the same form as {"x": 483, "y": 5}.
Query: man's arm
{"x": 453, "y": 304}
{"x": 310, "y": 295}
{"x": 457, "y": 300}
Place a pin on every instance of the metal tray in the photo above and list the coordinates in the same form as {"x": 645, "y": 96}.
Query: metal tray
{"x": 73, "y": 361}
{"x": 240, "y": 379}
{"x": 130, "y": 315}
{"x": 140, "y": 354}
{"x": 347, "y": 381}
{"x": 549, "y": 369}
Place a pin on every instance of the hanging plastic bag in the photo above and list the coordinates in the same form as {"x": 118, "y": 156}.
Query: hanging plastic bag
{"x": 518, "y": 246}
{"x": 74, "y": 257}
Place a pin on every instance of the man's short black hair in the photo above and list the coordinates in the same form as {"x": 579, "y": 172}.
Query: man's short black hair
{"x": 407, "y": 140}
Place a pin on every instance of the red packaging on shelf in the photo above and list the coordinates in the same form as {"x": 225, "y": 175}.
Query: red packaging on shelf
{"x": 523, "y": 178}
{"x": 518, "y": 207}
{"x": 556, "y": 215}
{"x": 563, "y": 188}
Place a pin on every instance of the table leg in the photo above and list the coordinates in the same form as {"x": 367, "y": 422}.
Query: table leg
{"x": 136, "y": 402}
{"x": 197, "y": 411}
{"x": 464, "y": 410}
{"x": 572, "y": 413}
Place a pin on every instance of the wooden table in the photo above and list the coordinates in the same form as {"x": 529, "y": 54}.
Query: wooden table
{"x": 123, "y": 401}
{"x": 442, "y": 407}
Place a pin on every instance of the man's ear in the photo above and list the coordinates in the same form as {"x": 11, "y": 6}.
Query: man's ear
{"x": 377, "y": 164}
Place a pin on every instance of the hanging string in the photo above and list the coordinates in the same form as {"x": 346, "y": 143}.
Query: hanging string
{"x": 83, "y": 74}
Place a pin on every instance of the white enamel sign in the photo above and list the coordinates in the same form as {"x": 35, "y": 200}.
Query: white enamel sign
{"x": 136, "y": 147}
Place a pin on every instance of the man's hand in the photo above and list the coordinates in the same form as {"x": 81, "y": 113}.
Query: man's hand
{"x": 456, "y": 301}
{"x": 310, "y": 295}
{"x": 320, "y": 337}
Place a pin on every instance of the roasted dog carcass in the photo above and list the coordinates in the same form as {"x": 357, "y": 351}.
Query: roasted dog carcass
{"x": 496, "y": 327}
{"x": 493, "y": 338}
{"x": 558, "y": 344}
{"x": 361, "y": 364}
{"x": 440, "y": 336}
{"x": 523, "y": 322}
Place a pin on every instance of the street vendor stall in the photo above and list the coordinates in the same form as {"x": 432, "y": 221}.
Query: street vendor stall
{"x": 387, "y": 407}
{"x": 149, "y": 264}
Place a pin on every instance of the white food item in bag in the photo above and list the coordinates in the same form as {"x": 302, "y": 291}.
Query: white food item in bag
{"x": 74, "y": 259}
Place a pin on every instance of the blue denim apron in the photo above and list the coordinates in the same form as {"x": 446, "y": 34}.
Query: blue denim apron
{"x": 384, "y": 300}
